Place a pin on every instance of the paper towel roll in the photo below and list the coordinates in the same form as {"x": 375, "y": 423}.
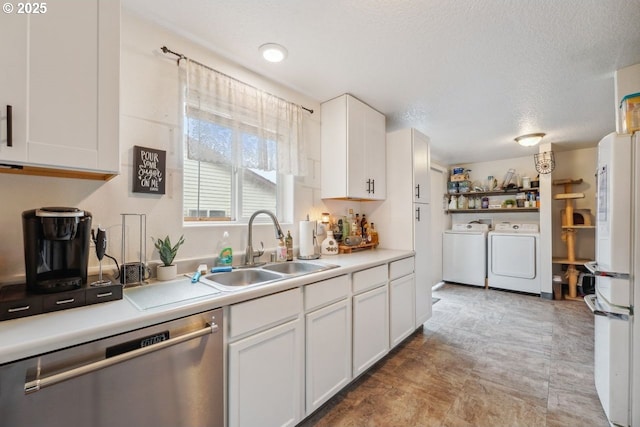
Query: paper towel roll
{"x": 307, "y": 232}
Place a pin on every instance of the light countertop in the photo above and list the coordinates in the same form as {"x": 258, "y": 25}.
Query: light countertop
{"x": 30, "y": 336}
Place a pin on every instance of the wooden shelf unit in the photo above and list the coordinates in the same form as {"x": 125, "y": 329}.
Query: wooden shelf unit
{"x": 493, "y": 210}
{"x": 493, "y": 193}
{"x": 569, "y": 231}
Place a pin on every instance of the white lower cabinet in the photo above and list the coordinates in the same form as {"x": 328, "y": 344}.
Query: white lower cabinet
{"x": 266, "y": 368}
{"x": 401, "y": 308}
{"x": 328, "y": 352}
{"x": 370, "y": 328}
{"x": 423, "y": 254}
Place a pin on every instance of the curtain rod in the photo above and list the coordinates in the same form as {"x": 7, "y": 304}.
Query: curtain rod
{"x": 181, "y": 57}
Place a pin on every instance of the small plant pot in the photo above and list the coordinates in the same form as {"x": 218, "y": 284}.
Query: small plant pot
{"x": 167, "y": 272}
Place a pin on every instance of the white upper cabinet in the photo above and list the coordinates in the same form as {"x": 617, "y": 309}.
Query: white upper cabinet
{"x": 421, "y": 165}
{"x": 61, "y": 79}
{"x": 353, "y": 154}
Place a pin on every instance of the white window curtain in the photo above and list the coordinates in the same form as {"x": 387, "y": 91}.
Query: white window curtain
{"x": 231, "y": 122}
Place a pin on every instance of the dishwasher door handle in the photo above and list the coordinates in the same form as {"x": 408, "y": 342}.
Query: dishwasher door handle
{"x": 37, "y": 384}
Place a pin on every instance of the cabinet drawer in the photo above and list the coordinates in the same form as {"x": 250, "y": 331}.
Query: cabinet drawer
{"x": 265, "y": 312}
{"x": 109, "y": 293}
{"x": 62, "y": 300}
{"x": 369, "y": 278}
{"x": 401, "y": 268}
{"x": 325, "y": 292}
{"x": 20, "y": 308}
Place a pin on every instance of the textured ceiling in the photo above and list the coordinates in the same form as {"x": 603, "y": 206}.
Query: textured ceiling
{"x": 470, "y": 74}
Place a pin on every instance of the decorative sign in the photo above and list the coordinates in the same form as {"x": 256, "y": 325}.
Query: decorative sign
{"x": 149, "y": 168}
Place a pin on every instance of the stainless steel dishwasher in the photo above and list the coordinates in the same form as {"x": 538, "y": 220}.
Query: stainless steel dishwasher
{"x": 170, "y": 374}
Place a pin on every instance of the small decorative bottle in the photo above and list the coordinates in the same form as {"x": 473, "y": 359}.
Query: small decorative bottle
{"x": 329, "y": 245}
{"x": 289, "y": 245}
{"x": 373, "y": 234}
{"x": 364, "y": 226}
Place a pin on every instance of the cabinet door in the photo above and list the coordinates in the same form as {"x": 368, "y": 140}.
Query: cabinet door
{"x": 353, "y": 150}
{"x": 328, "y": 355}
{"x": 402, "y": 308}
{"x": 421, "y": 165}
{"x": 266, "y": 377}
{"x": 71, "y": 74}
{"x": 13, "y": 85}
{"x": 64, "y": 85}
{"x": 357, "y": 132}
{"x": 422, "y": 239}
{"x": 375, "y": 155}
{"x": 370, "y": 328}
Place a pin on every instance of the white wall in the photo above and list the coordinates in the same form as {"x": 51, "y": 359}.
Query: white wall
{"x": 150, "y": 117}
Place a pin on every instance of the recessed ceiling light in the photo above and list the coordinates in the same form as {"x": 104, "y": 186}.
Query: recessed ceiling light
{"x": 529, "y": 140}
{"x": 273, "y": 52}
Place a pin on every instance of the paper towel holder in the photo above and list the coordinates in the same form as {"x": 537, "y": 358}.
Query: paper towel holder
{"x": 314, "y": 241}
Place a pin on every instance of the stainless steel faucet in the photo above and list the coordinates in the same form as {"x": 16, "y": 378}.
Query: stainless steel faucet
{"x": 249, "y": 255}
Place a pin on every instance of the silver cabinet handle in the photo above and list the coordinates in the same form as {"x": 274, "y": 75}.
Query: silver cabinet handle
{"x": 16, "y": 309}
{"x": 104, "y": 294}
{"x": 35, "y": 385}
{"x": 418, "y": 191}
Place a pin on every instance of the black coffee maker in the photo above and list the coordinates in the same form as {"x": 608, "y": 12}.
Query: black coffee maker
{"x": 56, "y": 248}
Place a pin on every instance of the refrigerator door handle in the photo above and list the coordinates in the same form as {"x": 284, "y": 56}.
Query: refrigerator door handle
{"x": 596, "y": 309}
{"x": 593, "y": 269}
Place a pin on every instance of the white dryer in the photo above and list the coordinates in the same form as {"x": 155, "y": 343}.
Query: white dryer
{"x": 514, "y": 257}
{"x": 464, "y": 254}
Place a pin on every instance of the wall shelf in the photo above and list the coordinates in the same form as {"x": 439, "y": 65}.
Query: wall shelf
{"x": 503, "y": 193}
{"x": 507, "y": 210}
{"x": 495, "y": 193}
{"x": 570, "y": 262}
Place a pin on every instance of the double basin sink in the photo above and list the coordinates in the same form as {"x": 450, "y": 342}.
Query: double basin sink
{"x": 256, "y": 276}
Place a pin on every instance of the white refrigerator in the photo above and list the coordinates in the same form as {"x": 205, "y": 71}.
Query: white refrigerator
{"x": 616, "y": 337}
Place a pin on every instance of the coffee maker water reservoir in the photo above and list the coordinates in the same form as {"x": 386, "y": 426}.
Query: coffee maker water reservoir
{"x": 56, "y": 248}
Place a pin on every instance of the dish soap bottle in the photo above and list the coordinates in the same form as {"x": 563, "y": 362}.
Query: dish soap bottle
{"x": 225, "y": 253}
{"x": 281, "y": 252}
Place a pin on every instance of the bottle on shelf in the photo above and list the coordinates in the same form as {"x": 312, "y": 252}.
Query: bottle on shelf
{"x": 453, "y": 203}
{"x": 373, "y": 234}
{"x": 363, "y": 227}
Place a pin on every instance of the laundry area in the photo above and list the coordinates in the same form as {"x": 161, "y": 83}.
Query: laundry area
{"x": 511, "y": 224}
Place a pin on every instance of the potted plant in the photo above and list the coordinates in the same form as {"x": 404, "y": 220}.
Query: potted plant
{"x": 509, "y": 203}
{"x": 167, "y": 252}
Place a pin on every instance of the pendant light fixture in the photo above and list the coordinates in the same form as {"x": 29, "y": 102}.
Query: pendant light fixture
{"x": 530, "y": 139}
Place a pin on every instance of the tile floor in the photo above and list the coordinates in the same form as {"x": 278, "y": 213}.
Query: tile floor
{"x": 486, "y": 358}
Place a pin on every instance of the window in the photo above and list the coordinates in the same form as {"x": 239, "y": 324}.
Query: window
{"x": 222, "y": 192}
{"x": 241, "y": 147}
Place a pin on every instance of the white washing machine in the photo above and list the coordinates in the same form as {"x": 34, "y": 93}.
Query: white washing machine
{"x": 464, "y": 254}
{"x": 514, "y": 257}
